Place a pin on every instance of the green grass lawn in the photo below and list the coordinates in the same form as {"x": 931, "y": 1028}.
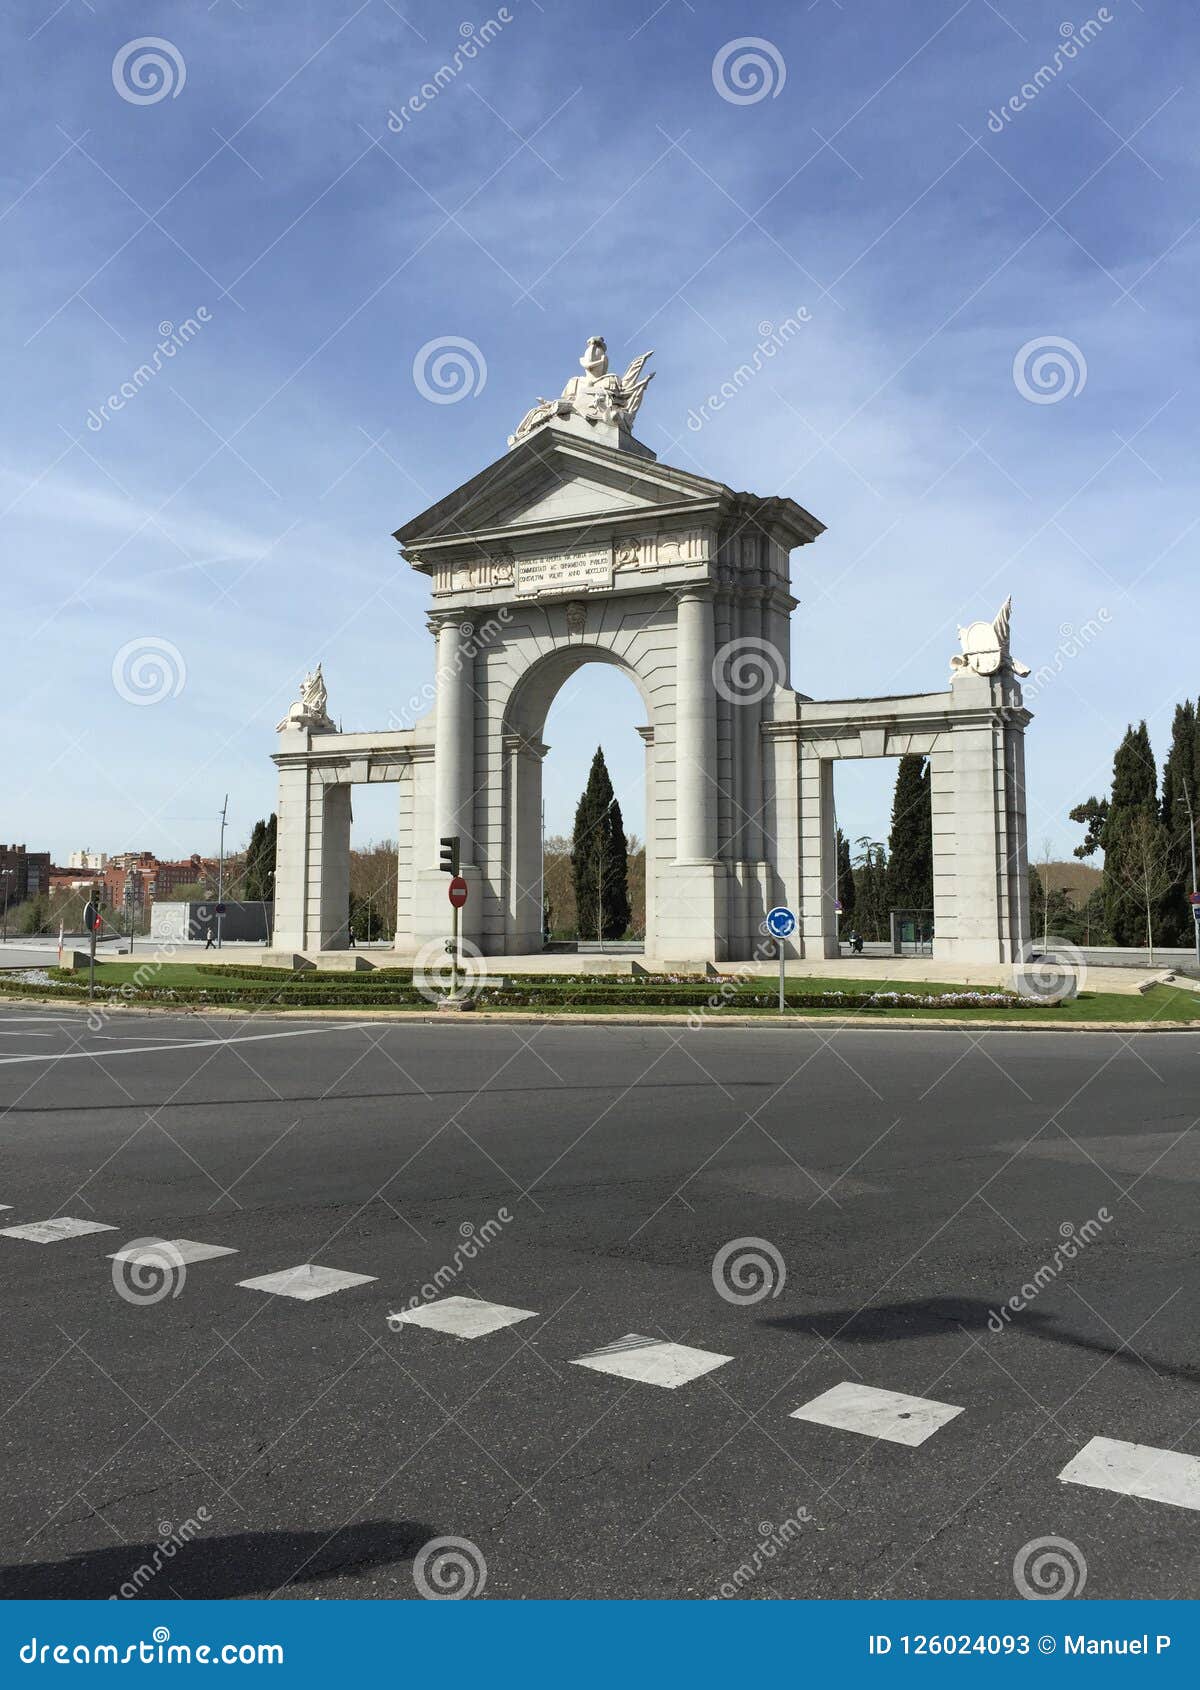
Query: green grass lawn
{"x": 275, "y": 991}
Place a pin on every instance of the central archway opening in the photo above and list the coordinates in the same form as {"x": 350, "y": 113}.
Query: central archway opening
{"x": 884, "y": 846}
{"x": 568, "y": 708}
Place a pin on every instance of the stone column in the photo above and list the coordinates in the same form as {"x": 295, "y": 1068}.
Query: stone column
{"x": 523, "y": 846}
{"x": 691, "y": 924}
{"x": 290, "y": 927}
{"x": 647, "y": 734}
{"x": 454, "y": 739}
{"x": 330, "y": 917}
{"x": 818, "y": 854}
{"x": 981, "y": 907}
{"x": 695, "y": 729}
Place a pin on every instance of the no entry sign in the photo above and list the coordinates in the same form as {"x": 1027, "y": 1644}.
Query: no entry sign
{"x": 457, "y": 891}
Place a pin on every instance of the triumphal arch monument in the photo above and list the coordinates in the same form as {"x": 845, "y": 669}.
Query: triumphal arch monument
{"x": 577, "y": 546}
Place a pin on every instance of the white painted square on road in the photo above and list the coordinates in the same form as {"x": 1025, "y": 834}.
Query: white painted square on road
{"x": 183, "y": 1251}
{"x": 462, "y": 1317}
{"x": 306, "y": 1282}
{"x": 851, "y": 1407}
{"x": 1158, "y": 1475}
{"x": 49, "y": 1232}
{"x": 652, "y": 1361}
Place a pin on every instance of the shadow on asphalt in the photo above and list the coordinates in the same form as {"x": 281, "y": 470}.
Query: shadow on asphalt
{"x": 925, "y": 1317}
{"x": 241, "y": 1564}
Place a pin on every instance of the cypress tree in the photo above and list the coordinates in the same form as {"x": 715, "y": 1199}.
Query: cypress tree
{"x": 910, "y": 843}
{"x": 253, "y": 854}
{"x": 845, "y": 880}
{"x": 1134, "y": 795}
{"x": 1178, "y": 789}
{"x": 599, "y": 859}
{"x": 258, "y": 876}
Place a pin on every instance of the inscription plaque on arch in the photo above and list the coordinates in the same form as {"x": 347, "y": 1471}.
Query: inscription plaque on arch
{"x": 590, "y": 566}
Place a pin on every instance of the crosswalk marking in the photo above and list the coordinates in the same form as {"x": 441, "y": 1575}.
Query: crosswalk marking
{"x": 462, "y": 1317}
{"x": 184, "y": 1251}
{"x": 1126, "y": 1469}
{"x": 851, "y": 1407}
{"x": 1156, "y": 1475}
{"x": 652, "y": 1361}
{"x": 50, "y": 1232}
{"x": 306, "y": 1282}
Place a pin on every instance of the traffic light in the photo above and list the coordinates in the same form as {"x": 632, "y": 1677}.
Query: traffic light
{"x": 448, "y": 863}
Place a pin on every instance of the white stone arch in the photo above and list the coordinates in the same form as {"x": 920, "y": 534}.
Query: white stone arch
{"x": 576, "y": 547}
{"x": 523, "y": 712}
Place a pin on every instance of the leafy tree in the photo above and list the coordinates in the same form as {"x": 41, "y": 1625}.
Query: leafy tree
{"x": 373, "y": 870}
{"x": 910, "y": 843}
{"x": 1138, "y": 872}
{"x": 599, "y": 859}
{"x": 558, "y": 887}
{"x": 1092, "y": 815}
{"x": 870, "y": 888}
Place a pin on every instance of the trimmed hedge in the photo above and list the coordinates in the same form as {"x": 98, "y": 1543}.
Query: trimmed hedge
{"x": 365, "y": 991}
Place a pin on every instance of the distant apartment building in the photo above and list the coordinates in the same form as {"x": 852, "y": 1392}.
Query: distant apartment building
{"x": 141, "y": 878}
{"x": 23, "y": 874}
{"x": 97, "y": 861}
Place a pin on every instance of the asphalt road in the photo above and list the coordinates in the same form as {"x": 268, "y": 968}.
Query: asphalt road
{"x": 909, "y": 1184}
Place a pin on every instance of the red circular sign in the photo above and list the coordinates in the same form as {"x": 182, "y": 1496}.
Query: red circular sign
{"x": 458, "y": 891}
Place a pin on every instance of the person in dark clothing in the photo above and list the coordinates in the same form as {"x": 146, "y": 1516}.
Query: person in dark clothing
{"x": 210, "y": 943}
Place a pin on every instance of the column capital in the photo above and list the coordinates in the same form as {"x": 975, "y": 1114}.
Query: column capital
{"x": 439, "y": 619}
{"x": 524, "y": 745}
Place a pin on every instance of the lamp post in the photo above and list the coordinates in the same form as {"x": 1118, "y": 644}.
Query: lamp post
{"x": 221, "y": 870}
{"x": 7, "y": 875}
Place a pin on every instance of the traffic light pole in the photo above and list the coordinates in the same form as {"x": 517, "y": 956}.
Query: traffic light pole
{"x": 449, "y": 860}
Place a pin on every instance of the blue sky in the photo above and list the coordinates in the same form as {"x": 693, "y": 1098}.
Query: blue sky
{"x": 584, "y": 174}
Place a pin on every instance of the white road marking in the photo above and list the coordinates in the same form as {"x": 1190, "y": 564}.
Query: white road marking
{"x": 49, "y": 1232}
{"x": 187, "y": 1044}
{"x": 462, "y": 1317}
{"x": 306, "y": 1282}
{"x": 851, "y": 1407}
{"x": 37, "y": 1020}
{"x": 1157, "y": 1475}
{"x": 26, "y": 1034}
{"x": 184, "y": 1251}
{"x": 652, "y": 1361}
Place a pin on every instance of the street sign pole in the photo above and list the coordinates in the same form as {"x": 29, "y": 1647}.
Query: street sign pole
{"x": 454, "y": 957}
{"x": 780, "y": 924}
{"x": 457, "y": 894}
{"x": 221, "y": 872}
{"x": 91, "y": 916}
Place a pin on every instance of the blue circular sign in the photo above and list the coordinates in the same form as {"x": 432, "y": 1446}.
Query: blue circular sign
{"x": 781, "y": 923}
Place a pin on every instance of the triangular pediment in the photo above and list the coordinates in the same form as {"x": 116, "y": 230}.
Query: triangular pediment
{"x": 556, "y": 479}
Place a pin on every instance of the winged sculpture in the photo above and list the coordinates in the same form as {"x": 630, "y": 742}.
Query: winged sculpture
{"x": 985, "y": 646}
{"x": 596, "y": 396}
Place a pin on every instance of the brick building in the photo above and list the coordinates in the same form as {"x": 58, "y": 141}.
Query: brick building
{"x": 24, "y": 874}
{"x": 147, "y": 878}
